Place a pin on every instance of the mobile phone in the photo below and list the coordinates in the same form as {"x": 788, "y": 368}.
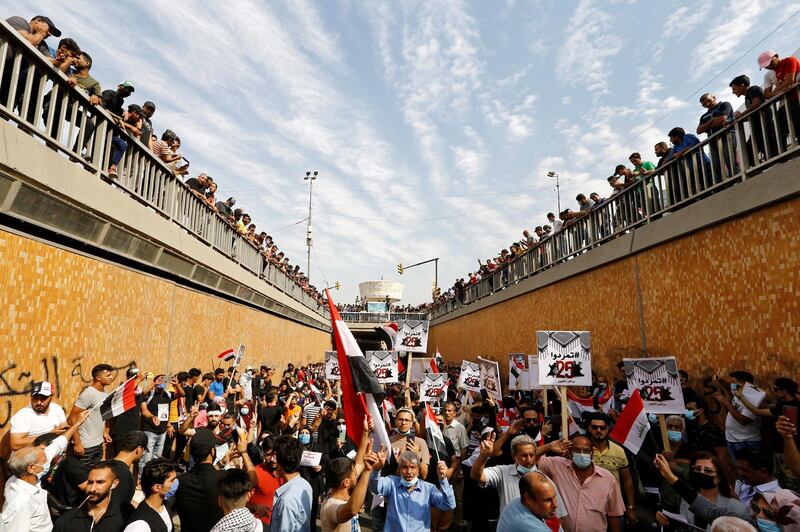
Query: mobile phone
{"x": 790, "y": 412}
{"x": 410, "y": 439}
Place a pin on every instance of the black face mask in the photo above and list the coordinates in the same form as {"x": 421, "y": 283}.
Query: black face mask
{"x": 532, "y": 430}
{"x": 701, "y": 480}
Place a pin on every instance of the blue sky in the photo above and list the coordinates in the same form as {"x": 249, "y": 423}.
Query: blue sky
{"x": 432, "y": 124}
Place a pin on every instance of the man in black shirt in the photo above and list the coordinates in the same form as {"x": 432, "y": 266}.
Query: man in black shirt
{"x": 198, "y": 185}
{"x": 129, "y": 453}
{"x": 66, "y": 490}
{"x": 113, "y": 101}
{"x": 97, "y": 514}
{"x": 716, "y": 117}
{"x": 155, "y": 419}
{"x": 753, "y": 98}
{"x": 269, "y": 418}
{"x": 327, "y": 428}
{"x": 196, "y": 498}
{"x": 225, "y": 208}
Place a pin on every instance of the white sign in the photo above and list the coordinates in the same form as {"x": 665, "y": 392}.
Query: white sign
{"x": 419, "y": 367}
{"x": 332, "y": 366}
{"x": 239, "y": 355}
{"x": 383, "y": 364}
{"x": 518, "y": 372}
{"x": 658, "y": 384}
{"x": 753, "y": 395}
{"x": 490, "y": 378}
{"x": 533, "y": 372}
{"x": 310, "y": 459}
{"x": 470, "y": 378}
{"x": 412, "y": 336}
{"x": 565, "y": 358}
{"x": 432, "y": 387}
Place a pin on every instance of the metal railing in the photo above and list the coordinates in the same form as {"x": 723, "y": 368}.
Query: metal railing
{"x": 40, "y": 100}
{"x": 381, "y": 317}
{"x": 744, "y": 148}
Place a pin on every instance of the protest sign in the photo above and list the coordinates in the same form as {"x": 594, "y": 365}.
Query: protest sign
{"x": 383, "y": 364}
{"x": 753, "y": 395}
{"x": 490, "y": 378}
{"x": 412, "y": 336}
{"x": 419, "y": 367}
{"x": 565, "y": 358}
{"x": 332, "y": 366}
{"x": 432, "y": 386}
{"x": 310, "y": 459}
{"x": 518, "y": 372}
{"x": 533, "y": 372}
{"x": 657, "y": 382}
{"x": 470, "y": 378}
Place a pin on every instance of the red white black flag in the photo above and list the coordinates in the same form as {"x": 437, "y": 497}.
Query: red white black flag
{"x": 120, "y": 400}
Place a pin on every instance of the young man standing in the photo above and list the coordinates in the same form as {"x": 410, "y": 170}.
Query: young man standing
{"x": 151, "y": 515}
{"x": 88, "y": 441}
{"x": 292, "y": 509}
{"x": 339, "y": 512}
{"x": 97, "y": 513}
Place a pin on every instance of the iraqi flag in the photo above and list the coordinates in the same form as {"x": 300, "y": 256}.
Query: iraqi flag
{"x": 632, "y": 425}
{"x": 361, "y": 391}
{"x": 435, "y": 437}
{"x": 595, "y": 403}
{"x": 436, "y": 362}
{"x": 227, "y": 355}
{"x": 120, "y": 400}
{"x": 387, "y": 334}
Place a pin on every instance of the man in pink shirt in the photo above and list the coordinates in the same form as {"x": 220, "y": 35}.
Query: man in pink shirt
{"x": 591, "y": 494}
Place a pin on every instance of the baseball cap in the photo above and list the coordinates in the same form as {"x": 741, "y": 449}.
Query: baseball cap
{"x": 55, "y": 32}
{"x": 42, "y": 388}
{"x": 202, "y": 442}
{"x": 129, "y": 84}
{"x": 765, "y": 58}
{"x": 249, "y": 368}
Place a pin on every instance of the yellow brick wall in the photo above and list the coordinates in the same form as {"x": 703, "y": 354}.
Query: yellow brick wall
{"x": 61, "y": 313}
{"x": 720, "y": 299}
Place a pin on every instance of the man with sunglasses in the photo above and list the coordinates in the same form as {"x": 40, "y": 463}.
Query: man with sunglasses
{"x": 610, "y": 456}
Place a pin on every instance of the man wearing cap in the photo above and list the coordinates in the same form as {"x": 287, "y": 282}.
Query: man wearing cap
{"x": 35, "y": 32}
{"x": 39, "y": 417}
{"x": 130, "y": 123}
{"x": 146, "y": 137}
{"x": 111, "y": 100}
{"x": 196, "y": 498}
{"x": 787, "y": 73}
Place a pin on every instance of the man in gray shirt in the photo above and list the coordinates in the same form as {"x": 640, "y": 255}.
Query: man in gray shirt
{"x": 88, "y": 441}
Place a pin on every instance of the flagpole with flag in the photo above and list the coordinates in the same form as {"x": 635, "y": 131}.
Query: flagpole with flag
{"x": 122, "y": 399}
{"x": 632, "y": 424}
{"x": 434, "y": 432}
{"x": 361, "y": 391}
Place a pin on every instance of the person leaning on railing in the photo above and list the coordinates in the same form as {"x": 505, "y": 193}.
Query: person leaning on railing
{"x": 787, "y": 73}
{"x": 129, "y": 122}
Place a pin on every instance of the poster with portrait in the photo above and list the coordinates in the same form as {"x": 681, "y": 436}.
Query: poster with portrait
{"x": 383, "y": 364}
{"x": 412, "y": 336}
{"x": 490, "y": 378}
{"x": 658, "y": 384}
{"x": 470, "y": 377}
{"x": 419, "y": 367}
{"x": 432, "y": 387}
{"x": 565, "y": 358}
{"x": 332, "y": 366}
{"x": 518, "y": 372}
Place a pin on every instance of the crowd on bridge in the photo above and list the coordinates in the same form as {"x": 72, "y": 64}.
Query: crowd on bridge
{"x": 135, "y": 122}
{"x": 258, "y": 449}
{"x": 769, "y": 135}
{"x": 361, "y": 306}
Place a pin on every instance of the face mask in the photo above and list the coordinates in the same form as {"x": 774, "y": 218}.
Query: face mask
{"x": 674, "y": 436}
{"x": 691, "y": 415}
{"x": 734, "y": 386}
{"x": 304, "y": 438}
{"x": 408, "y": 483}
{"x": 767, "y": 526}
{"x": 41, "y": 474}
{"x": 652, "y": 418}
{"x": 522, "y": 470}
{"x": 701, "y": 480}
{"x": 244, "y": 411}
{"x": 582, "y": 461}
{"x": 172, "y": 490}
{"x": 342, "y": 430}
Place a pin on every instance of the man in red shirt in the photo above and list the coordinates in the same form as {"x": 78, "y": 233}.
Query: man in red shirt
{"x": 268, "y": 482}
{"x": 787, "y": 72}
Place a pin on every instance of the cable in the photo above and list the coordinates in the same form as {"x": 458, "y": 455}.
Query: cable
{"x": 314, "y": 250}
{"x": 287, "y": 226}
{"x": 707, "y": 83}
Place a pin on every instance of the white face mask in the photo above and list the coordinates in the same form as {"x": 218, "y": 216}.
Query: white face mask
{"x": 244, "y": 411}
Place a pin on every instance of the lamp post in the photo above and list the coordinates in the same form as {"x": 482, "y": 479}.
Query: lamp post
{"x": 309, "y": 240}
{"x": 558, "y": 189}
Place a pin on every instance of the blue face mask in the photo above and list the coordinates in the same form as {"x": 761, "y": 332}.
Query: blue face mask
{"x": 674, "y": 435}
{"x": 172, "y": 490}
{"x": 734, "y": 386}
{"x": 304, "y": 438}
{"x": 691, "y": 415}
{"x": 653, "y": 418}
{"x": 408, "y": 483}
{"x": 522, "y": 470}
{"x": 582, "y": 461}
{"x": 767, "y": 526}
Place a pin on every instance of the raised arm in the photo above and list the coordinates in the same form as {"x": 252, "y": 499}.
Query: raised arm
{"x": 486, "y": 450}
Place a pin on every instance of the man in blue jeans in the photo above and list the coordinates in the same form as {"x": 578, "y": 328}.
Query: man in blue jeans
{"x": 155, "y": 419}
{"x": 131, "y": 123}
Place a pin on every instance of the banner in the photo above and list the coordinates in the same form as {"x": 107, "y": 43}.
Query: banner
{"x": 490, "y": 378}
{"x": 239, "y": 355}
{"x": 332, "y": 366}
{"x": 470, "y": 378}
{"x": 518, "y": 372}
{"x": 432, "y": 387}
{"x": 565, "y": 358}
{"x": 412, "y": 336}
{"x": 383, "y": 364}
{"x": 419, "y": 367}
{"x": 657, "y": 382}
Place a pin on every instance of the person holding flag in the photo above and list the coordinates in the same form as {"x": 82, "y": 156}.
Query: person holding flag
{"x": 442, "y": 448}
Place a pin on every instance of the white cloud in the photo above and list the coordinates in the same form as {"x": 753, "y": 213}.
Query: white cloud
{"x": 685, "y": 19}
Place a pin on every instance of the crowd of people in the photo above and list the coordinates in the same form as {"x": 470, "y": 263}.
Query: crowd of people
{"x": 767, "y": 138}
{"x": 361, "y": 306}
{"x": 135, "y": 121}
{"x": 255, "y": 449}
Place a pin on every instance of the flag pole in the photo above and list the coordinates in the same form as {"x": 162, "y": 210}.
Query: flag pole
{"x": 662, "y": 422}
{"x": 564, "y": 414}
{"x": 408, "y": 368}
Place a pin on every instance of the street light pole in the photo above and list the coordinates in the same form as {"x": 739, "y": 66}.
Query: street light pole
{"x": 558, "y": 189}
{"x": 309, "y": 240}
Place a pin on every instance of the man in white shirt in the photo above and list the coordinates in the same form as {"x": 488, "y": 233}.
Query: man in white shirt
{"x": 246, "y": 383}
{"x": 25, "y": 506}
{"x": 39, "y": 417}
